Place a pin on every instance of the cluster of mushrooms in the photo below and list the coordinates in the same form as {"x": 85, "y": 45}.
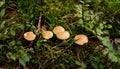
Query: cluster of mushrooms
{"x": 60, "y": 33}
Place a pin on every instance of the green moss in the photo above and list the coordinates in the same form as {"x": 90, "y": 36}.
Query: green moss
{"x": 91, "y": 18}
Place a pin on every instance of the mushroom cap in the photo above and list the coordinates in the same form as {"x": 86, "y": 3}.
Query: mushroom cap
{"x": 63, "y": 35}
{"x": 30, "y": 36}
{"x": 47, "y": 34}
{"x": 81, "y": 39}
{"x": 58, "y": 29}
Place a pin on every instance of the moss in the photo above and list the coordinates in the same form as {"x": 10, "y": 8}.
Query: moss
{"x": 91, "y": 18}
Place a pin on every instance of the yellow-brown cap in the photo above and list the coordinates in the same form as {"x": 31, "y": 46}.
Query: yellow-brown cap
{"x": 47, "y": 34}
{"x": 58, "y": 29}
{"x": 63, "y": 35}
{"x": 81, "y": 39}
{"x": 30, "y": 36}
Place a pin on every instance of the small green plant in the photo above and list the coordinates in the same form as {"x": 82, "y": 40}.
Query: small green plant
{"x": 2, "y": 11}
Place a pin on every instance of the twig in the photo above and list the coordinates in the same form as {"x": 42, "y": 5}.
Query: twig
{"x": 68, "y": 46}
{"x": 39, "y": 66}
{"x": 53, "y": 60}
{"x": 39, "y": 23}
{"x": 44, "y": 63}
{"x": 63, "y": 42}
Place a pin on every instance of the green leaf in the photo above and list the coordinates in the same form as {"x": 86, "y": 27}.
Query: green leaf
{"x": 29, "y": 49}
{"x": 91, "y": 26}
{"x": 97, "y": 59}
{"x": 106, "y": 42}
{"x": 2, "y": 12}
{"x": 94, "y": 64}
{"x": 118, "y": 40}
{"x": 13, "y": 57}
{"x": 79, "y": 10}
{"x": 22, "y": 62}
{"x": 1, "y": 3}
{"x": 19, "y": 26}
{"x": 77, "y": 62}
{"x": 2, "y": 25}
{"x": 1, "y": 46}
{"x": 12, "y": 32}
{"x": 88, "y": 1}
{"x": 109, "y": 26}
{"x": 99, "y": 31}
{"x": 81, "y": 21}
{"x": 18, "y": 42}
{"x": 101, "y": 26}
{"x": 106, "y": 32}
{"x": 40, "y": 41}
{"x": 26, "y": 58}
{"x": 12, "y": 43}
{"x": 101, "y": 66}
{"x": 80, "y": 63}
{"x": 112, "y": 57}
{"x": 24, "y": 55}
{"x": 83, "y": 65}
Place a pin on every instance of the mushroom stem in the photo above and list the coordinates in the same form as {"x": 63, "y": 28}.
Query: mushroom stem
{"x": 78, "y": 53}
{"x": 31, "y": 43}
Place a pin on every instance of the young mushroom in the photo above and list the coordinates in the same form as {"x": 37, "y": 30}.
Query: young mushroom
{"x": 58, "y": 29}
{"x": 30, "y": 36}
{"x": 47, "y": 34}
{"x": 63, "y": 35}
{"x": 81, "y": 39}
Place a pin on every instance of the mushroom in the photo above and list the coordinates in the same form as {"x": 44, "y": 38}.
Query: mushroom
{"x": 30, "y": 36}
{"x": 58, "y": 29}
{"x": 81, "y": 39}
{"x": 63, "y": 35}
{"x": 47, "y": 34}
